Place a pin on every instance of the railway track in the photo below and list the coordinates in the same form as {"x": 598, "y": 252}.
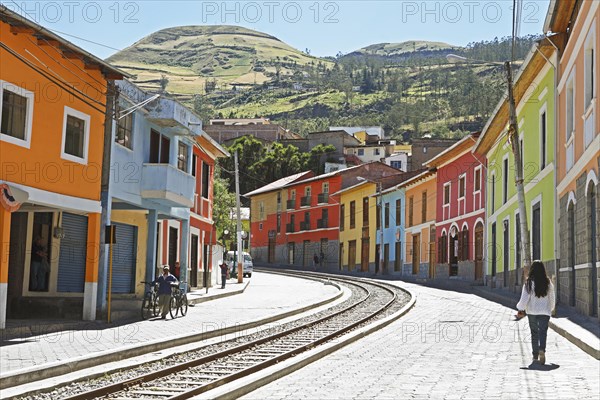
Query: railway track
{"x": 194, "y": 373}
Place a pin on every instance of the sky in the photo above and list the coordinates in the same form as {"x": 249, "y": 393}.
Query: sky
{"x": 325, "y": 28}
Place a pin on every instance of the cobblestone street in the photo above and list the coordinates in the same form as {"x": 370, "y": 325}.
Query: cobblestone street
{"x": 450, "y": 345}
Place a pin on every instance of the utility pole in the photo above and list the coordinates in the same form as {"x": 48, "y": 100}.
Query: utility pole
{"x": 239, "y": 252}
{"x": 381, "y": 260}
{"x": 513, "y": 136}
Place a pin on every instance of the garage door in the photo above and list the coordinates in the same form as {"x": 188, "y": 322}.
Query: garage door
{"x": 124, "y": 259}
{"x": 73, "y": 250}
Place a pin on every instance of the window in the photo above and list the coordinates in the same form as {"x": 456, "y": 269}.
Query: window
{"x": 387, "y": 215}
{"x": 361, "y": 152}
{"x": 194, "y": 164}
{"x": 447, "y": 194}
{"x": 543, "y": 140}
{"x": 493, "y": 196}
{"x": 424, "y": 206}
{"x": 410, "y": 211}
{"x": 342, "y": 219}
{"x": 398, "y": 212}
{"x": 16, "y": 114}
{"x": 278, "y": 223}
{"x": 589, "y": 77}
{"x": 462, "y": 181}
{"x": 205, "y": 179}
{"x": 504, "y": 180}
{"x": 365, "y": 211}
{"x": 261, "y": 211}
{"x": 76, "y": 132}
{"x": 477, "y": 182}
{"x": 443, "y": 248}
{"x": 536, "y": 232}
{"x": 160, "y": 147}
{"x": 307, "y": 191}
{"x": 182, "y": 156}
{"x": 352, "y": 214}
{"x": 424, "y": 149}
{"x": 325, "y": 187}
{"x": 124, "y": 134}
{"x": 570, "y": 109}
{"x": 396, "y": 164}
{"x": 293, "y": 194}
{"x": 375, "y": 152}
{"x": 378, "y": 216}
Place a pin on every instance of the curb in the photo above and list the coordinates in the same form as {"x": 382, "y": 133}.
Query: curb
{"x": 250, "y": 383}
{"x": 29, "y": 375}
{"x": 200, "y": 299}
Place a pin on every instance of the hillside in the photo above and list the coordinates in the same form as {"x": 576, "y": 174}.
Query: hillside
{"x": 408, "y": 87}
{"x": 190, "y": 55}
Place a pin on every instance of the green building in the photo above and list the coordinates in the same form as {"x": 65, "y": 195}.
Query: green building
{"x": 535, "y": 100}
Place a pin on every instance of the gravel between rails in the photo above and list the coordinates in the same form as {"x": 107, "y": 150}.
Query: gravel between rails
{"x": 236, "y": 360}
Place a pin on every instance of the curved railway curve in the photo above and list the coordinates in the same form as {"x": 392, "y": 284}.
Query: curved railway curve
{"x": 191, "y": 373}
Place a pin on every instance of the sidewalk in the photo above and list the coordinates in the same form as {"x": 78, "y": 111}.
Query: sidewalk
{"x": 36, "y": 355}
{"x": 582, "y": 331}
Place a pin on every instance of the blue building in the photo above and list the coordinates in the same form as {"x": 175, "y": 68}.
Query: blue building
{"x": 152, "y": 182}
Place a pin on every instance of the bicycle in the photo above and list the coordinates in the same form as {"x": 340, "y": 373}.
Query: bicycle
{"x": 179, "y": 300}
{"x": 150, "y": 303}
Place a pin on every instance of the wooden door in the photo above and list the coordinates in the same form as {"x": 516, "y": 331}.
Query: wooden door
{"x": 479, "y": 252}
{"x": 416, "y": 256}
{"x": 352, "y": 255}
{"x": 364, "y": 255}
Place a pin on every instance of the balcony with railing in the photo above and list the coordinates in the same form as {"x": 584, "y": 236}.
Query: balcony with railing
{"x": 305, "y": 201}
{"x": 289, "y": 228}
{"x": 291, "y": 204}
{"x": 322, "y": 223}
{"x": 323, "y": 198}
{"x": 167, "y": 185}
{"x": 305, "y": 225}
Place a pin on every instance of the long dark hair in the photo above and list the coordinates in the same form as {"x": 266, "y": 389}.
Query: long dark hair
{"x": 538, "y": 279}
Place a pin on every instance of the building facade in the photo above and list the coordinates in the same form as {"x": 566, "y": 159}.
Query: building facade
{"x": 51, "y": 152}
{"x": 577, "y": 152}
{"x": 460, "y": 209}
{"x": 420, "y": 231}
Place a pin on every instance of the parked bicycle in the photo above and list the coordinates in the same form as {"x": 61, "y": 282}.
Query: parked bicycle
{"x": 150, "y": 303}
{"x": 179, "y": 300}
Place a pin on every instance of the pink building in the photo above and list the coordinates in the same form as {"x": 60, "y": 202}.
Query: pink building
{"x": 460, "y": 211}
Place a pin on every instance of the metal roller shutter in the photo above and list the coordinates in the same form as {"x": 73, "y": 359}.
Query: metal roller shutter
{"x": 124, "y": 259}
{"x": 73, "y": 250}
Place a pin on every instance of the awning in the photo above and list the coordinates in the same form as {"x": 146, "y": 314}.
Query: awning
{"x": 11, "y": 197}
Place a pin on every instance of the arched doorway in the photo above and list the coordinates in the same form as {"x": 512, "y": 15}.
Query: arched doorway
{"x": 593, "y": 230}
{"x": 571, "y": 247}
{"x": 478, "y": 251}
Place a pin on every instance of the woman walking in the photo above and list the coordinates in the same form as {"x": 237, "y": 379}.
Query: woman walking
{"x": 537, "y": 300}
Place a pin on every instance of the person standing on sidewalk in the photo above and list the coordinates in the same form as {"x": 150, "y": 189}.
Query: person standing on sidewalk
{"x": 537, "y": 301}
{"x": 164, "y": 291}
{"x": 224, "y": 269}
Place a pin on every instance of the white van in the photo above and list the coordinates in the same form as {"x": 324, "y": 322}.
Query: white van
{"x": 247, "y": 263}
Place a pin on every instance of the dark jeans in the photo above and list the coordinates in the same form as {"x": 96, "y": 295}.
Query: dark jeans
{"x": 223, "y": 280}
{"x": 538, "y": 324}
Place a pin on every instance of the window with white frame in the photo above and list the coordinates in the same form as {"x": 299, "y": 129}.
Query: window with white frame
{"x": 543, "y": 139}
{"x": 375, "y": 151}
{"x": 493, "y": 196}
{"x": 504, "y": 180}
{"x": 293, "y": 194}
{"x": 446, "y": 201}
{"x": 325, "y": 187}
{"x": 590, "y": 68}
{"x": 570, "y": 105}
{"x": 462, "y": 183}
{"x": 182, "y": 156}
{"x": 16, "y": 114}
{"x": 124, "y": 132}
{"x": 75, "y": 137}
{"x": 477, "y": 180}
{"x": 307, "y": 191}
{"x": 361, "y": 152}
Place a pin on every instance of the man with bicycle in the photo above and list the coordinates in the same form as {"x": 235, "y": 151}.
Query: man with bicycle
{"x": 165, "y": 281}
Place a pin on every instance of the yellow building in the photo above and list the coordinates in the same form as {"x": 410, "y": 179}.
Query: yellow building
{"x": 358, "y": 211}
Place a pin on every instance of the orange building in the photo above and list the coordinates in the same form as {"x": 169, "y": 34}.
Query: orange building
{"x": 54, "y": 97}
{"x": 577, "y": 152}
{"x": 420, "y": 225}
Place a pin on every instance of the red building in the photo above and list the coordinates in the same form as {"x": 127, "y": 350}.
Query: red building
{"x": 199, "y": 233}
{"x": 460, "y": 210}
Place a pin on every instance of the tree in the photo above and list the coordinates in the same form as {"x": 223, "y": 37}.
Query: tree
{"x": 223, "y": 204}
{"x": 164, "y": 81}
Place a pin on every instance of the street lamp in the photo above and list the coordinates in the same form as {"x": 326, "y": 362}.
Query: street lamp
{"x": 380, "y": 205}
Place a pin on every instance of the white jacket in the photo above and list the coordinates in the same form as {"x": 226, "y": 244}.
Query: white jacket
{"x": 537, "y": 305}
